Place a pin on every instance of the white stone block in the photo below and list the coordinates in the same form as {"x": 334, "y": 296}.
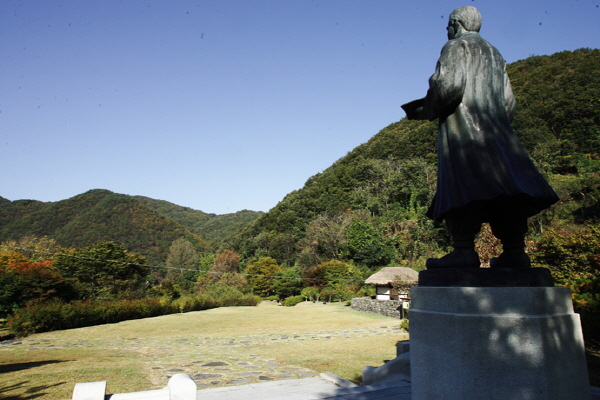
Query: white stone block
{"x": 158, "y": 394}
{"x": 90, "y": 391}
{"x": 182, "y": 387}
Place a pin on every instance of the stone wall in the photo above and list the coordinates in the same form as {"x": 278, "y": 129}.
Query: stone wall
{"x": 389, "y": 308}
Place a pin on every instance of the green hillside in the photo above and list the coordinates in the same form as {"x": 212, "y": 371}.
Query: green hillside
{"x": 143, "y": 225}
{"x": 211, "y": 227}
{"x": 369, "y": 206}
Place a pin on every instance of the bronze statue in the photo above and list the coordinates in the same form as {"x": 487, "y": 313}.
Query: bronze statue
{"x": 484, "y": 174}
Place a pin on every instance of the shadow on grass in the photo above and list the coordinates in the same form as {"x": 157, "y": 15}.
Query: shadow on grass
{"x": 5, "y": 368}
{"x": 31, "y": 393}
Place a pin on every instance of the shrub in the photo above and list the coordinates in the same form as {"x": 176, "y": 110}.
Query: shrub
{"x": 292, "y": 301}
{"x": 404, "y": 324}
{"x": 574, "y": 261}
{"x": 342, "y": 292}
{"x": 327, "y": 294}
{"x": 228, "y": 296}
{"x": 56, "y": 315}
{"x": 310, "y": 293}
{"x": 193, "y": 303}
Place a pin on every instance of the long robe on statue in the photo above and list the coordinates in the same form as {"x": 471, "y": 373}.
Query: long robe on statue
{"x": 480, "y": 157}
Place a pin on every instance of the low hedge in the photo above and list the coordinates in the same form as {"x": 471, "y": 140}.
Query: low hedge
{"x": 57, "y": 315}
{"x": 292, "y": 301}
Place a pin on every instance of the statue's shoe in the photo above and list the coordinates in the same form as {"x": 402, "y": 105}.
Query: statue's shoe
{"x": 511, "y": 259}
{"x": 459, "y": 258}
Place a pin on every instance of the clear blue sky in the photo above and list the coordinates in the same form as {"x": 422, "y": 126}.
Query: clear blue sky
{"x": 226, "y": 105}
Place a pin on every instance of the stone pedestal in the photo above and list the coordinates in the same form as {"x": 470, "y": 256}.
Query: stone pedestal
{"x": 496, "y": 343}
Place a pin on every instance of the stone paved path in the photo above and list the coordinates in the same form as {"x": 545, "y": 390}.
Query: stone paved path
{"x": 211, "y": 361}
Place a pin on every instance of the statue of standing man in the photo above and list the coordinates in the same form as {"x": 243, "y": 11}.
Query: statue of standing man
{"x": 484, "y": 174}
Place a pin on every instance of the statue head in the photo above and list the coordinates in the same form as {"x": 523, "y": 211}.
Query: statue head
{"x": 463, "y": 19}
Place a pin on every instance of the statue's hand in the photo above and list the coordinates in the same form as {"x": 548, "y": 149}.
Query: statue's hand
{"x": 419, "y": 113}
{"x": 414, "y": 109}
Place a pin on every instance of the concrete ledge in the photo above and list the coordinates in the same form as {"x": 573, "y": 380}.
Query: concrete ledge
{"x": 341, "y": 382}
{"x": 402, "y": 347}
{"x": 394, "y": 370}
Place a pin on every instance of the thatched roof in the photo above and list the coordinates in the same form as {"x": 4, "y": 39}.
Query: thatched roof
{"x": 390, "y": 274}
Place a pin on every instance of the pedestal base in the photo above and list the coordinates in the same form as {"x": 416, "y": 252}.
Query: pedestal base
{"x": 496, "y": 343}
{"x": 486, "y": 277}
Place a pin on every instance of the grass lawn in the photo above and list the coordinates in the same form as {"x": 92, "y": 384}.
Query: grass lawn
{"x": 141, "y": 354}
{"x": 343, "y": 359}
{"x": 133, "y": 355}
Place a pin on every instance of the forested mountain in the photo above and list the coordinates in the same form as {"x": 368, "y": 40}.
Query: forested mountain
{"x": 369, "y": 206}
{"x": 211, "y": 227}
{"x": 143, "y": 225}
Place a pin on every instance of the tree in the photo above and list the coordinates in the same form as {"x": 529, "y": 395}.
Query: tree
{"x": 325, "y": 238}
{"x": 574, "y": 261}
{"x": 33, "y": 247}
{"x": 11, "y": 257}
{"x": 26, "y": 282}
{"x": 391, "y": 183}
{"x": 367, "y": 245}
{"x": 227, "y": 262}
{"x": 310, "y": 293}
{"x": 223, "y": 270}
{"x": 327, "y": 293}
{"x": 261, "y": 274}
{"x": 290, "y": 283}
{"x": 569, "y": 255}
{"x": 332, "y": 272}
{"x": 182, "y": 263}
{"x": 103, "y": 271}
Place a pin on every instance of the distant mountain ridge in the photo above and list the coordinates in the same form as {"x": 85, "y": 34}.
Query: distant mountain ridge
{"x": 212, "y": 227}
{"x": 141, "y": 224}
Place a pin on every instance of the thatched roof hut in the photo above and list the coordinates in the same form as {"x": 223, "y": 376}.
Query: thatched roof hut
{"x": 384, "y": 278}
{"x": 390, "y": 274}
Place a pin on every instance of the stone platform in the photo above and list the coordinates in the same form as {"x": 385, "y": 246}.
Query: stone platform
{"x": 496, "y": 343}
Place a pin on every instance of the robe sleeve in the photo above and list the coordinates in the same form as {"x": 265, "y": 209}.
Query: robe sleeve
{"x": 447, "y": 84}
